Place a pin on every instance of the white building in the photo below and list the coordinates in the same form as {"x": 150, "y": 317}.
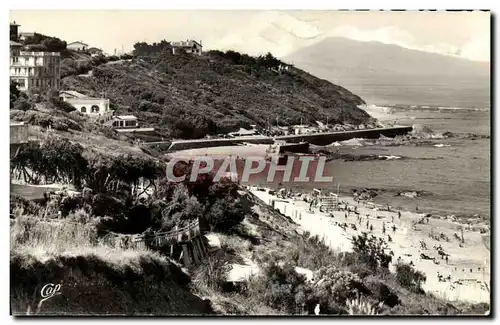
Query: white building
{"x": 190, "y": 46}
{"x": 91, "y": 106}
{"x": 123, "y": 122}
{"x": 301, "y": 129}
{"x": 25, "y": 35}
{"x": 77, "y": 46}
{"x": 40, "y": 70}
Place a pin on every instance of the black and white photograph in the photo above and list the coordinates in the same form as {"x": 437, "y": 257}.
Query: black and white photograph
{"x": 250, "y": 162}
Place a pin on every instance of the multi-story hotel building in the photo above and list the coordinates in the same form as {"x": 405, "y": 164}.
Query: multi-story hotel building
{"x": 33, "y": 69}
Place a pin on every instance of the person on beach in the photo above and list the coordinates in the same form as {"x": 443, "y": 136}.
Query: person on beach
{"x": 346, "y": 216}
{"x": 416, "y": 208}
{"x": 383, "y": 228}
{"x": 371, "y": 228}
{"x": 367, "y": 224}
{"x": 392, "y": 219}
{"x": 399, "y": 215}
{"x": 393, "y": 228}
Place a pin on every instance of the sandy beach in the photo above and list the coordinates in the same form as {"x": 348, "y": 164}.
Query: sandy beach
{"x": 468, "y": 265}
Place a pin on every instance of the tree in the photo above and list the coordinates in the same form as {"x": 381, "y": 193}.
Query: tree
{"x": 182, "y": 208}
{"x": 48, "y": 43}
{"x": 14, "y": 93}
{"x": 224, "y": 214}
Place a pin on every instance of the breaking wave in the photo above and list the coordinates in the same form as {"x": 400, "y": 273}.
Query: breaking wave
{"x": 424, "y": 108}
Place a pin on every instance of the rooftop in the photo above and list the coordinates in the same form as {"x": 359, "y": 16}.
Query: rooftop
{"x": 73, "y": 93}
{"x": 78, "y": 42}
{"x": 12, "y": 43}
{"x": 243, "y": 131}
{"x": 126, "y": 117}
{"x": 188, "y": 43}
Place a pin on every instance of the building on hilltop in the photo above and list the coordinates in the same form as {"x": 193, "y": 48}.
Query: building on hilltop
{"x": 77, "y": 46}
{"x": 190, "y": 46}
{"x": 123, "y": 122}
{"x": 32, "y": 69}
{"x": 94, "y": 51}
{"x": 91, "y": 106}
{"x": 14, "y": 32}
{"x": 25, "y": 35}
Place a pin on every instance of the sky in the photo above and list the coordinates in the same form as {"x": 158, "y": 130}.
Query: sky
{"x": 463, "y": 34}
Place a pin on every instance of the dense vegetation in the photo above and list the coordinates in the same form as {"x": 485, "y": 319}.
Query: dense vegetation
{"x": 111, "y": 186}
{"x": 189, "y": 96}
{"x": 40, "y": 42}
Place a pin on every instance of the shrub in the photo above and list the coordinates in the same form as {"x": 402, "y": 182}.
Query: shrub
{"x": 360, "y": 306}
{"x": 126, "y": 57}
{"x": 382, "y": 292}
{"x": 281, "y": 288}
{"x": 335, "y": 286}
{"x": 371, "y": 251}
{"x": 27, "y": 206}
{"x": 212, "y": 272}
{"x": 61, "y": 105}
{"x": 410, "y": 278}
{"x": 22, "y": 104}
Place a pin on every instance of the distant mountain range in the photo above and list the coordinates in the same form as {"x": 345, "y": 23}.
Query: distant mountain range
{"x": 388, "y": 74}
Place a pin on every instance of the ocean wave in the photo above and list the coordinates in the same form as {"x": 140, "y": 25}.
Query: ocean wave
{"x": 351, "y": 157}
{"x": 435, "y": 108}
{"x": 440, "y": 145}
{"x": 389, "y": 157}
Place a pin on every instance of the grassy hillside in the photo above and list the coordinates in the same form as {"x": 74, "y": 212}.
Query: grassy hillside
{"x": 95, "y": 280}
{"x": 189, "y": 96}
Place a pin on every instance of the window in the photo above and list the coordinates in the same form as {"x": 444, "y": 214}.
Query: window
{"x": 115, "y": 123}
{"x": 94, "y": 109}
{"x": 84, "y": 109}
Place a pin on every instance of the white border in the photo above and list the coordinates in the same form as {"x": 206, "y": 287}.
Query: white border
{"x": 185, "y": 4}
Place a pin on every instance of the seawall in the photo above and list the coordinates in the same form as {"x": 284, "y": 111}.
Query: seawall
{"x": 207, "y": 143}
{"x": 320, "y": 139}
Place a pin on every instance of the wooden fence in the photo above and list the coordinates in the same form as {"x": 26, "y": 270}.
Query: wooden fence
{"x": 189, "y": 238}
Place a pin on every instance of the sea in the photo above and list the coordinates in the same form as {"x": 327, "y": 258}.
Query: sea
{"x": 453, "y": 173}
{"x": 450, "y": 175}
